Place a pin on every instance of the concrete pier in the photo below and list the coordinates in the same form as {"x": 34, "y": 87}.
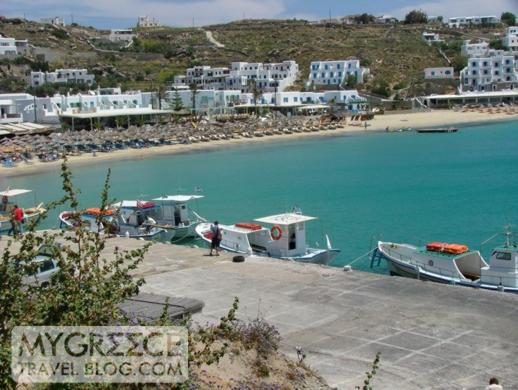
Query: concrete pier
{"x": 429, "y": 335}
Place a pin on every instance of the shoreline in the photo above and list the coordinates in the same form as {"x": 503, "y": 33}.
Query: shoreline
{"x": 378, "y": 124}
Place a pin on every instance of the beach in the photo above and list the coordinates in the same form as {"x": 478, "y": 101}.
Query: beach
{"x": 393, "y": 122}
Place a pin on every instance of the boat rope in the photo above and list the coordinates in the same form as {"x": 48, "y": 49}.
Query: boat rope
{"x": 362, "y": 256}
{"x": 199, "y": 216}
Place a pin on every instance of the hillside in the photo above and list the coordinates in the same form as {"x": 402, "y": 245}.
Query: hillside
{"x": 395, "y": 53}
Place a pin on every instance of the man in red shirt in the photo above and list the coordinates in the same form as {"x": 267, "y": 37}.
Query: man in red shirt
{"x": 17, "y": 221}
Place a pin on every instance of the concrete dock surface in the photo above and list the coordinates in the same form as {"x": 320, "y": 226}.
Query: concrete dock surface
{"x": 431, "y": 336}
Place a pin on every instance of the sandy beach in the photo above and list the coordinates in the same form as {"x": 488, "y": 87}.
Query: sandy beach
{"x": 379, "y": 123}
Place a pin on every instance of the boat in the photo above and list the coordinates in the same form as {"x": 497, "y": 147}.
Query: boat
{"x": 453, "y": 264}
{"x": 123, "y": 219}
{"x": 7, "y": 207}
{"x": 174, "y": 215}
{"x": 438, "y": 130}
{"x": 285, "y": 239}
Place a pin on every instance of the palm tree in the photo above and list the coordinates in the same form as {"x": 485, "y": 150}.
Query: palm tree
{"x": 194, "y": 91}
{"x": 256, "y": 92}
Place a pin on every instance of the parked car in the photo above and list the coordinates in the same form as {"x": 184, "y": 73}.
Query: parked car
{"x": 45, "y": 265}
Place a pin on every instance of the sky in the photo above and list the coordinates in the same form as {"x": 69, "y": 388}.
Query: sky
{"x": 124, "y": 13}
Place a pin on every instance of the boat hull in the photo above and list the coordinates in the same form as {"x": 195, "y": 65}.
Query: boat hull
{"x": 312, "y": 255}
{"x": 405, "y": 269}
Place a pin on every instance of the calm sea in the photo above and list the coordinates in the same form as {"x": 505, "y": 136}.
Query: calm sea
{"x": 402, "y": 187}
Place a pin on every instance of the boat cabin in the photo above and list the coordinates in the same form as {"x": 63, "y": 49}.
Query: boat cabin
{"x": 503, "y": 270}
{"x": 174, "y": 208}
{"x": 134, "y": 212}
{"x": 6, "y": 205}
{"x": 287, "y": 234}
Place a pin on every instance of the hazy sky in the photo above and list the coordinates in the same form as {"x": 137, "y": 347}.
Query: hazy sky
{"x": 123, "y": 13}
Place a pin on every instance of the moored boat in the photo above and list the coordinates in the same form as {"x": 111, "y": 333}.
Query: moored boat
{"x": 453, "y": 264}
{"x": 286, "y": 239}
{"x": 7, "y": 206}
{"x": 124, "y": 219}
{"x": 174, "y": 214}
{"x": 438, "y": 130}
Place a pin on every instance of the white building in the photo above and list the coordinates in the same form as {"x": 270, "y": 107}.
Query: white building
{"x": 55, "y": 21}
{"x": 7, "y": 46}
{"x": 430, "y": 37}
{"x": 494, "y": 72}
{"x": 478, "y": 49}
{"x": 21, "y": 107}
{"x": 439, "y": 73}
{"x": 467, "y": 21}
{"x": 214, "y": 101}
{"x": 335, "y": 73}
{"x": 510, "y": 41}
{"x": 147, "y": 22}
{"x": 267, "y": 77}
{"x": 80, "y": 76}
{"x": 121, "y": 35}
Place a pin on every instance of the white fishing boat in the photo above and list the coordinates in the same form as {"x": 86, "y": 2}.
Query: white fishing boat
{"x": 9, "y": 199}
{"x": 123, "y": 219}
{"x": 453, "y": 264}
{"x": 285, "y": 239}
{"x": 175, "y": 215}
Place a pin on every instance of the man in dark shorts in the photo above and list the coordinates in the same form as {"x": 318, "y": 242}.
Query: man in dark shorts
{"x": 216, "y": 238}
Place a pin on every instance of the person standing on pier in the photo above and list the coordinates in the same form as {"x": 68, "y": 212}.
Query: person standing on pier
{"x": 16, "y": 221}
{"x": 216, "y": 238}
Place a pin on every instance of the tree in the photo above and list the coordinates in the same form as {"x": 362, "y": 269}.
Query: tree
{"x": 86, "y": 289}
{"x": 364, "y": 19}
{"x": 256, "y": 92}
{"x": 177, "y": 102}
{"x": 416, "y": 17}
{"x": 351, "y": 81}
{"x": 496, "y": 44}
{"x": 459, "y": 62}
{"x": 508, "y": 18}
{"x": 194, "y": 91}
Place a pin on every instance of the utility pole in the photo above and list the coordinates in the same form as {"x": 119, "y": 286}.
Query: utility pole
{"x": 35, "y": 114}
{"x": 329, "y": 15}
{"x": 72, "y": 18}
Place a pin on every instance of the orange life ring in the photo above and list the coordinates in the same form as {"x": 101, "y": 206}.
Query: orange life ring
{"x": 276, "y": 232}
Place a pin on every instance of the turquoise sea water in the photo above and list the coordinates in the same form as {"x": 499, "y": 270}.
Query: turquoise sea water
{"x": 402, "y": 187}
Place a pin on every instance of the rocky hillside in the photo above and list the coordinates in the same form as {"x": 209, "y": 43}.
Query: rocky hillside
{"x": 396, "y": 54}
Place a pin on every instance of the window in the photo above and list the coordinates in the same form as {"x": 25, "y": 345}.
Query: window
{"x": 502, "y": 255}
{"x": 338, "y": 66}
{"x": 339, "y": 74}
{"x": 474, "y": 64}
{"x": 285, "y": 100}
{"x": 447, "y": 72}
{"x": 295, "y": 99}
{"x": 314, "y": 75}
{"x": 46, "y": 265}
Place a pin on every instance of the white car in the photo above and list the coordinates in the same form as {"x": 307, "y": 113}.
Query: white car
{"x": 45, "y": 266}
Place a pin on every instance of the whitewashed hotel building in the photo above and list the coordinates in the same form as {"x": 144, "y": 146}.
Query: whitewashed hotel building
{"x": 268, "y": 77}
{"x": 121, "y": 35}
{"x": 439, "y": 73}
{"x": 62, "y": 76}
{"x": 476, "y": 49}
{"x": 466, "y": 21}
{"x": 510, "y": 40}
{"x": 335, "y": 73}
{"x": 497, "y": 71}
{"x": 7, "y": 46}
